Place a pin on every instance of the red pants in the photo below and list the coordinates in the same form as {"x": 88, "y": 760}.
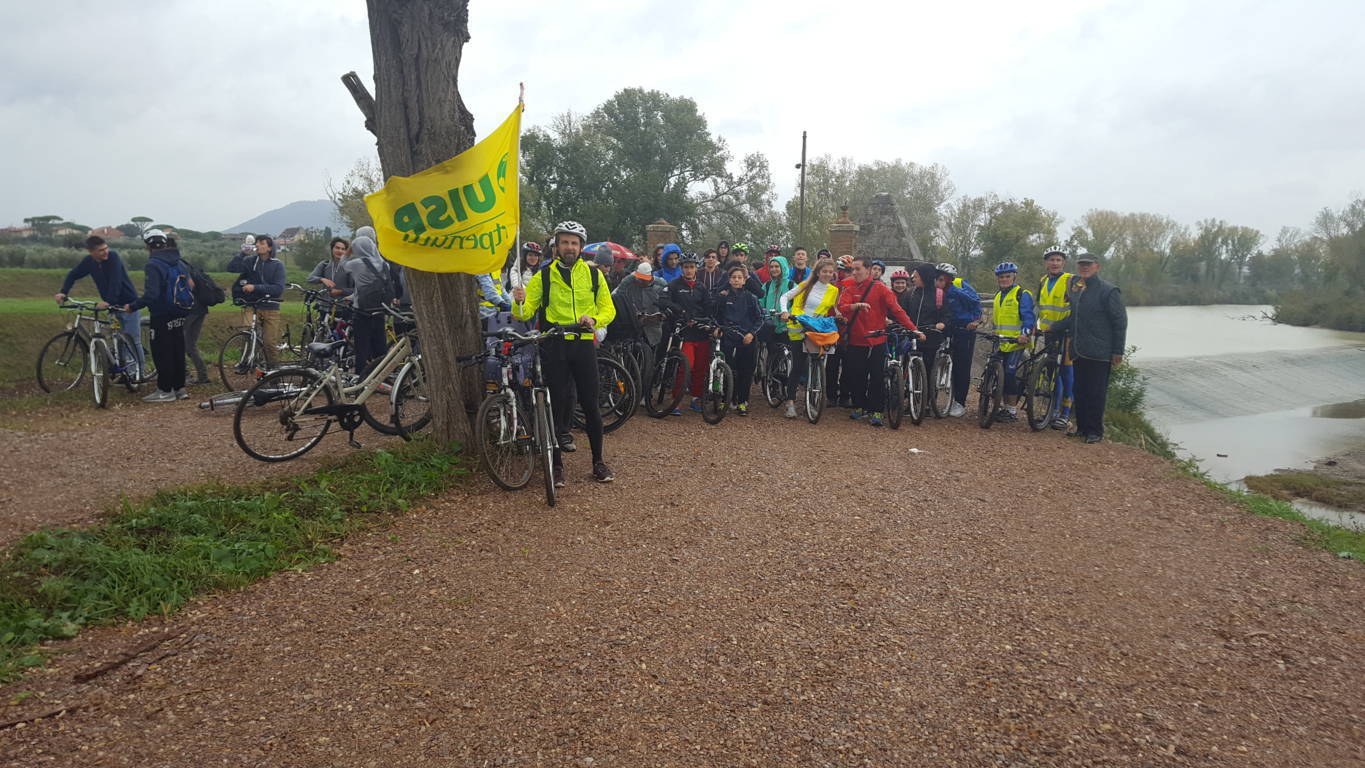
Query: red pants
{"x": 698, "y": 354}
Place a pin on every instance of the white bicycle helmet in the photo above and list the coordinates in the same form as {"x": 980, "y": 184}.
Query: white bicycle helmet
{"x": 947, "y": 269}
{"x": 1057, "y": 249}
{"x": 571, "y": 228}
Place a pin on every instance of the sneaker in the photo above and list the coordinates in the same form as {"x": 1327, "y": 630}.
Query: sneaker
{"x": 566, "y": 444}
{"x": 1006, "y": 415}
{"x": 1092, "y": 439}
{"x": 160, "y": 397}
{"x": 675, "y": 412}
{"x": 696, "y": 404}
{"x": 181, "y": 394}
{"x": 956, "y": 410}
{"x": 200, "y": 380}
{"x": 1061, "y": 423}
{"x": 742, "y": 409}
{"x": 791, "y": 410}
{"x": 876, "y": 419}
{"x": 559, "y": 476}
{"x": 856, "y": 414}
{"x": 601, "y": 473}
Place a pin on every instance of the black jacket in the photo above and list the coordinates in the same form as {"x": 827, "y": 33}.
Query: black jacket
{"x": 688, "y": 302}
{"x": 1098, "y": 323}
{"x": 739, "y": 309}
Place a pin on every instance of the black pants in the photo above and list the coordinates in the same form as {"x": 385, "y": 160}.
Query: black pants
{"x": 168, "y": 352}
{"x": 1092, "y": 387}
{"x": 742, "y": 358}
{"x": 367, "y": 334}
{"x": 964, "y": 344}
{"x": 569, "y": 366}
{"x": 834, "y": 366}
{"x": 800, "y": 364}
{"x": 863, "y": 370}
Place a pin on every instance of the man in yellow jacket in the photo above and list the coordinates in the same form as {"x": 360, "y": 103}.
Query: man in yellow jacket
{"x": 569, "y": 291}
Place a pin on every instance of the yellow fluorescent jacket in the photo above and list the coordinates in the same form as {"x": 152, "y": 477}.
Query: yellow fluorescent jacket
{"x": 566, "y": 302}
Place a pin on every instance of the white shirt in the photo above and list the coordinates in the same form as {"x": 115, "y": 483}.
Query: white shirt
{"x": 813, "y": 299}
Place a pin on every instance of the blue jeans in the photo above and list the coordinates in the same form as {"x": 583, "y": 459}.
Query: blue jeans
{"x": 132, "y": 325}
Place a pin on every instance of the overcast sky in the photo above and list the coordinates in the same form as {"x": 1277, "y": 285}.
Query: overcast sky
{"x": 203, "y": 115}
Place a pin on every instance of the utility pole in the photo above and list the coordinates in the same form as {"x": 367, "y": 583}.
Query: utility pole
{"x": 801, "y": 235}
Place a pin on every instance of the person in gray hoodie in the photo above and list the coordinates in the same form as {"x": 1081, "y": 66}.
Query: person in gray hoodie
{"x": 369, "y": 283}
{"x": 1098, "y": 326}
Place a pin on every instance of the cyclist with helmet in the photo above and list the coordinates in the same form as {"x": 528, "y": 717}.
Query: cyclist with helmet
{"x": 567, "y": 293}
{"x": 878, "y": 269}
{"x": 689, "y": 303}
{"x": 867, "y": 303}
{"x": 164, "y": 269}
{"x": 532, "y": 259}
{"x": 739, "y": 255}
{"x": 764, "y": 272}
{"x": 963, "y": 308}
{"x": 1013, "y": 319}
{"x": 900, "y": 284}
{"x": 1054, "y": 304}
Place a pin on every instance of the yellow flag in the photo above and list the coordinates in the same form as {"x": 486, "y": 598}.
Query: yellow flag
{"x": 459, "y": 216}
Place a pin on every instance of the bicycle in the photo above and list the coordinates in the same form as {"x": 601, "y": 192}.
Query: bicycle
{"x": 668, "y": 380}
{"x": 1042, "y": 383}
{"x": 991, "y": 386}
{"x": 940, "y": 391}
{"x": 242, "y": 359}
{"x": 320, "y": 321}
{"x": 291, "y": 409}
{"x": 719, "y": 388}
{"x": 507, "y": 449}
{"x": 775, "y": 364}
{"x": 904, "y": 377}
{"x": 91, "y": 343}
{"x": 618, "y": 396}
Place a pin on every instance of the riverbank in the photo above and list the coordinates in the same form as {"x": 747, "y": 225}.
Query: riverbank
{"x": 1336, "y": 481}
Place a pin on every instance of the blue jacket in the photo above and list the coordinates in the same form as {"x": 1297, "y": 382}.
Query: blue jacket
{"x": 963, "y": 304}
{"x": 740, "y": 309}
{"x": 154, "y": 289}
{"x": 267, "y": 276}
{"x": 110, "y": 276}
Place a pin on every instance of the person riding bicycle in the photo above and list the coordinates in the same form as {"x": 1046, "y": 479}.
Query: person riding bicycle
{"x": 1014, "y": 320}
{"x": 689, "y": 302}
{"x": 735, "y": 308}
{"x": 867, "y": 303}
{"x": 1054, "y": 304}
{"x": 817, "y": 296}
{"x": 110, "y": 275}
{"x": 962, "y": 310}
{"x": 567, "y": 293}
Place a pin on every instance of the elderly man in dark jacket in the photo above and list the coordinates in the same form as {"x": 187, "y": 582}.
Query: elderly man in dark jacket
{"x": 1098, "y": 325}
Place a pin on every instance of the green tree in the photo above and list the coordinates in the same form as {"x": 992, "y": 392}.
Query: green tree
{"x": 921, "y": 193}
{"x": 143, "y": 223}
{"x": 959, "y": 229}
{"x": 349, "y": 196}
{"x": 44, "y": 225}
{"x": 1017, "y": 231}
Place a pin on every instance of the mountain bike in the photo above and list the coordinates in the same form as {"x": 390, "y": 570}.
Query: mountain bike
{"x": 1042, "y": 383}
{"x": 940, "y": 390}
{"x": 775, "y": 368}
{"x": 668, "y": 380}
{"x": 320, "y": 322}
{"x": 618, "y": 396}
{"x": 991, "y": 386}
{"x": 242, "y": 359}
{"x": 514, "y": 427}
{"x": 904, "y": 379}
{"x": 719, "y": 387}
{"x": 290, "y": 410}
{"x": 94, "y": 343}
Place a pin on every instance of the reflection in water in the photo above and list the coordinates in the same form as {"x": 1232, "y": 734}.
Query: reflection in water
{"x": 1352, "y": 410}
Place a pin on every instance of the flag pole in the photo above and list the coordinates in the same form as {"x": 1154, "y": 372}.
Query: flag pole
{"x": 516, "y": 265}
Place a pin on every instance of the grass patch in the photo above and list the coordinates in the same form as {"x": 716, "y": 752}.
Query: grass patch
{"x": 1342, "y": 541}
{"x": 152, "y": 556}
{"x": 1336, "y": 492}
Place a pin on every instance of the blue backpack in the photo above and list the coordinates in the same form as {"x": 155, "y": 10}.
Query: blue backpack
{"x": 177, "y": 297}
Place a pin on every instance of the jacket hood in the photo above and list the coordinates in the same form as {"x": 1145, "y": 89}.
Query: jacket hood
{"x": 670, "y": 248}
{"x": 168, "y": 255}
{"x": 777, "y": 284}
{"x": 927, "y": 274}
{"x": 363, "y": 247}
{"x": 367, "y": 232}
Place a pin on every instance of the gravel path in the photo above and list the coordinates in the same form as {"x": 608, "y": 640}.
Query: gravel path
{"x": 759, "y": 593}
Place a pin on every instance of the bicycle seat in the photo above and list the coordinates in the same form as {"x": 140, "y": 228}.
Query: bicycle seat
{"x": 324, "y": 348}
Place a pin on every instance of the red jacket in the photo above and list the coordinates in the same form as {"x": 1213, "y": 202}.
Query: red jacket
{"x": 883, "y": 303}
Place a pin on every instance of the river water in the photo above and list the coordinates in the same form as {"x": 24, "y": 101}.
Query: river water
{"x": 1246, "y": 396}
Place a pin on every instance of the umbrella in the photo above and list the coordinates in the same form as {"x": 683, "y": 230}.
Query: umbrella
{"x": 618, "y": 251}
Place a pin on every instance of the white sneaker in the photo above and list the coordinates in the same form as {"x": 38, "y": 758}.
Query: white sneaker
{"x": 181, "y": 394}
{"x": 159, "y": 397}
{"x": 791, "y": 410}
{"x": 956, "y": 410}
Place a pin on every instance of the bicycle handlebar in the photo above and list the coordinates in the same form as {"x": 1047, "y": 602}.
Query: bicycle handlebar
{"x": 531, "y": 337}
{"x": 82, "y": 306}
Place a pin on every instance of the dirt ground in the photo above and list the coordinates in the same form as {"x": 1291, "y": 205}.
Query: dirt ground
{"x": 761, "y": 593}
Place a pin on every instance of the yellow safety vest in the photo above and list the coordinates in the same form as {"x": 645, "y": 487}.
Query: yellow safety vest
{"x": 1052, "y": 304}
{"x": 1006, "y": 317}
{"x": 824, "y": 309}
{"x": 566, "y": 303}
{"x": 497, "y": 288}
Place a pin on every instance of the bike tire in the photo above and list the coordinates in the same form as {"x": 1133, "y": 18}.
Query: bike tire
{"x": 506, "y": 456}
{"x": 720, "y": 387}
{"x": 815, "y": 389}
{"x": 62, "y": 362}
{"x": 775, "y": 382}
{"x": 667, "y": 384}
{"x": 1040, "y": 390}
{"x": 941, "y": 386}
{"x": 545, "y": 443}
{"x": 411, "y": 399}
{"x": 270, "y": 415}
{"x": 893, "y": 381}
{"x": 617, "y": 395}
{"x": 131, "y": 374}
{"x": 238, "y": 359}
{"x": 916, "y": 390}
{"x": 99, "y": 371}
{"x": 989, "y": 401}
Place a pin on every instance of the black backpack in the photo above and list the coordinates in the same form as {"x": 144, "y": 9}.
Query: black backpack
{"x": 382, "y": 290}
{"x": 207, "y": 293}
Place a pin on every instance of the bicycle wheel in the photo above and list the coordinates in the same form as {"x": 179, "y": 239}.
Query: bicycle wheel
{"x": 775, "y": 382}
{"x": 988, "y": 404}
{"x": 916, "y": 394}
{"x": 1040, "y": 394}
{"x": 894, "y": 384}
{"x": 815, "y": 388}
{"x": 720, "y": 387}
{"x": 504, "y": 442}
{"x": 545, "y": 443}
{"x": 99, "y": 371}
{"x": 238, "y": 360}
{"x": 667, "y": 384}
{"x": 411, "y": 400}
{"x": 617, "y": 393}
{"x": 62, "y": 362}
{"x": 941, "y": 386}
{"x": 272, "y": 421}
{"x": 128, "y": 373}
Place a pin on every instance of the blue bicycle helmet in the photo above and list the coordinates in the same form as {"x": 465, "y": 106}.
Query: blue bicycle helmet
{"x": 1006, "y": 266}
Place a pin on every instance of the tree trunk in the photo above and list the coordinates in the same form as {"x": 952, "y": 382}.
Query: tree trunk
{"x": 420, "y": 120}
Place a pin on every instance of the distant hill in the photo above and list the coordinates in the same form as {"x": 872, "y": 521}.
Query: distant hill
{"x": 304, "y": 213}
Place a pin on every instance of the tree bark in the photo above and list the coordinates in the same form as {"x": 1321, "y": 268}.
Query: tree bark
{"x": 420, "y": 120}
